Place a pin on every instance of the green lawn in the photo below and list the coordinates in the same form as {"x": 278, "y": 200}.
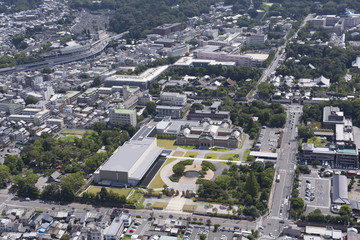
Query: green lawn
{"x": 159, "y": 205}
{"x": 166, "y": 143}
{"x": 188, "y": 147}
{"x": 121, "y": 191}
{"x": 230, "y": 156}
{"x": 75, "y": 131}
{"x": 135, "y": 197}
{"x": 246, "y": 154}
{"x": 191, "y": 154}
{"x": 68, "y": 139}
{"x": 216, "y": 149}
{"x": 157, "y": 182}
{"x": 178, "y": 154}
{"x": 189, "y": 208}
{"x": 211, "y": 155}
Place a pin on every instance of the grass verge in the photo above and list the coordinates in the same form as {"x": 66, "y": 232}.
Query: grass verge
{"x": 159, "y": 205}
{"x": 178, "y": 154}
{"x": 157, "y": 182}
{"x": 166, "y": 143}
{"x": 246, "y": 154}
{"x": 211, "y": 155}
{"x": 189, "y": 208}
{"x": 230, "y": 156}
{"x": 120, "y": 191}
{"x": 191, "y": 154}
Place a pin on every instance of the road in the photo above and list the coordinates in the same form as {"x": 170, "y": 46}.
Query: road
{"x": 280, "y": 54}
{"x": 95, "y": 49}
{"x": 9, "y": 201}
{"x": 285, "y": 166}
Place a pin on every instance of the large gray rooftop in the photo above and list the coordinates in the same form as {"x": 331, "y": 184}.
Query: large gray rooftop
{"x": 134, "y": 157}
{"x": 339, "y": 190}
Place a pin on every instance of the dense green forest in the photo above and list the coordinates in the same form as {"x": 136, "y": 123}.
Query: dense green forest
{"x": 18, "y": 5}
{"x": 140, "y": 16}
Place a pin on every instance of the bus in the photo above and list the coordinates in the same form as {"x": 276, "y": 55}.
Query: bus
{"x": 278, "y": 178}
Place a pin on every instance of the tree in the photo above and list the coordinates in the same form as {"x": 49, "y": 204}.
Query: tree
{"x": 69, "y": 184}
{"x": 298, "y": 203}
{"x": 251, "y": 185}
{"x": 47, "y": 70}
{"x": 98, "y": 127}
{"x": 151, "y": 108}
{"x": 51, "y": 192}
{"x": 65, "y": 237}
{"x": 5, "y": 175}
{"x": 277, "y": 120}
{"x": 252, "y": 212}
{"x": 30, "y": 100}
{"x": 198, "y": 106}
{"x": 14, "y": 163}
{"x": 24, "y": 184}
{"x": 202, "y": 236}
{"x": 178, "y": 169}
{"x": 346, "y": 211}
{"x": 305, "y": 132}
{"x": 97, "y": 81}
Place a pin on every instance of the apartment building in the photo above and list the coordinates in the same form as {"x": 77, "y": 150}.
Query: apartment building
{"x": 123, "y": 117}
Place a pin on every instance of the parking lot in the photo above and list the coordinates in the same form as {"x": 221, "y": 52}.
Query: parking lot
{"x": 318, "y": 192}
{"x": 268, "y": 139}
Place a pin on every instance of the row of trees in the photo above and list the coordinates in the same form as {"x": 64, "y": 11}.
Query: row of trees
{"x": 344, "y": 218}
{"x": 241, "y": 185}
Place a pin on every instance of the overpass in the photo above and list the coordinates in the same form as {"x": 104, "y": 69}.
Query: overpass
{"x": 95, "y": 49}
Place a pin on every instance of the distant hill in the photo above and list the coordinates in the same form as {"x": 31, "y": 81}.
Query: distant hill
{"x": 18, "y": 5}
{"x": 141, "y": 16}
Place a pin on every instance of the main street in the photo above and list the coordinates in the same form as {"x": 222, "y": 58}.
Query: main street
{"x": 285, "y": 167}
{"x": 280, "y": 54}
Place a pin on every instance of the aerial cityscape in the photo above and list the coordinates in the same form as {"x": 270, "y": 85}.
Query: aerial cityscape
{"x": 179, "y": 119}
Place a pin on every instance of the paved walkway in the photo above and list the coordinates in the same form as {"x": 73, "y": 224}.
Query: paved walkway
{"x": 188, "y": 184}
{"x": 176, "y": 204}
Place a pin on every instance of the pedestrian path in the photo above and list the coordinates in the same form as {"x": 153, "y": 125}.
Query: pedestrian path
{"x": 176, "y": 204}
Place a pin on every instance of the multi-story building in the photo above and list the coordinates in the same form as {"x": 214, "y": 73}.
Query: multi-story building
{"x": 336, "y": 156}
{"x": 123, "y": 117}
{"x": 115, "y": 230}
{"x": 173, "y": 99}
{"x": 169, "y": 111}
{"x": 90, "y": 96}
{"x": 212, "y": 114}
{"x": 142, "y": 81}
{"x": 71, "y": 97}
{"x": 331, "y": 117}
{"x": 214, "y": 53}
{"x": 37, "y": 119}
{"x": 11, "y": 108}
{"x": 256, "y": 39}
{"x": 167, "y": 28}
